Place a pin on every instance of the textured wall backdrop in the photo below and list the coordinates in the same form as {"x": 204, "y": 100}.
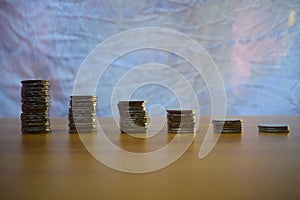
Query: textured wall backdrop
{"x": 255, "y": 44}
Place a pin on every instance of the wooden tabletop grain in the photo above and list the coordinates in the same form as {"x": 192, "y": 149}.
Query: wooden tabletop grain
{"x": 58, "y": 166}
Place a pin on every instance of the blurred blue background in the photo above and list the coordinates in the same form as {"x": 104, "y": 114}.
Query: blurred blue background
{"x": 255, "y": 44}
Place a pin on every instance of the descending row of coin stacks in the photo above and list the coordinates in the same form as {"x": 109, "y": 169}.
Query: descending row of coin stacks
{"x": 133, "y": 116}
{"x": 35, "y": 106}
{"x": 181, "y": 121}
{"x": 273, "y": 128}
{"x": 82, "y": 114}
{"x": 227, "y": 125}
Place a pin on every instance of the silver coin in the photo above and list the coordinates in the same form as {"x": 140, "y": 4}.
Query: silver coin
{"x": 34, "y": 81}
{"x": 81, "y": 111}
{"x": 36, "y": 130}
{"x": 181, "y": 112}
{"x": 181, "y": 120}
{"x": 83, "y": 104}
{"x": 226, "y": 120}
{"x": 132, "y": 102}
{"x": 227, "y": 131}
{"x": 35, "y": 119}
{"x": 179, "y": 132}
{"x": 84, "y": 99}
{"x": 36, "y": 98}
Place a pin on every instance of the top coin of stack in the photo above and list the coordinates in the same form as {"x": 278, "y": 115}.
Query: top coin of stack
{"x": 35, "y": 106}
{"x": 82, "y": 114}
{"x": 181, "y": 121}
{"x": 133, "y": 116}
{"x": 273, "y": 128}
{"x": 227, "y": 125}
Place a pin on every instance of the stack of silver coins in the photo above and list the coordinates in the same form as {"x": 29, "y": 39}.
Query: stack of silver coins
{"x": 82, "y": 114}
{"x": 227, "y": 125}
{"x": 133, "y": 116}
{"x": 181, "y": 121}
{"x": 273, "y": 128}
{"x": 35, "y": 106}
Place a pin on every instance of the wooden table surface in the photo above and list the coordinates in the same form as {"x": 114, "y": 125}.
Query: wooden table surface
{"x": 58, "y": 166}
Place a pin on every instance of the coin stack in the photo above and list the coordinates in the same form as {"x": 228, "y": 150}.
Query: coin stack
{"x": 181, "y": 121}
{"x": 133, "y": 116}
{"x": 227, "y": 125}
{"x": 35, "y": 106}
{"x": 82, "y": 114}
{"x": 273, "y": 128}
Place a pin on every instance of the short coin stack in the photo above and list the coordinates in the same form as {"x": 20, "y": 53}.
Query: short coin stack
{"x": 35, "y": 106}
{"x": 82, "y": 114}
{"x": 181, "y": 121}
{"x": 273, "y": 128}
{"x": 133, "y": 116}
{"x": 227, "y": 125}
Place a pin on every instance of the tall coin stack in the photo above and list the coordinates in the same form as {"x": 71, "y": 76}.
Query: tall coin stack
{"x": 82, "y": 114}
{"x": 227, "y": 125}
{"x": 35, "y": 106}
{"x": 181, "y": 121}
{"x": 133, "y": 116}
